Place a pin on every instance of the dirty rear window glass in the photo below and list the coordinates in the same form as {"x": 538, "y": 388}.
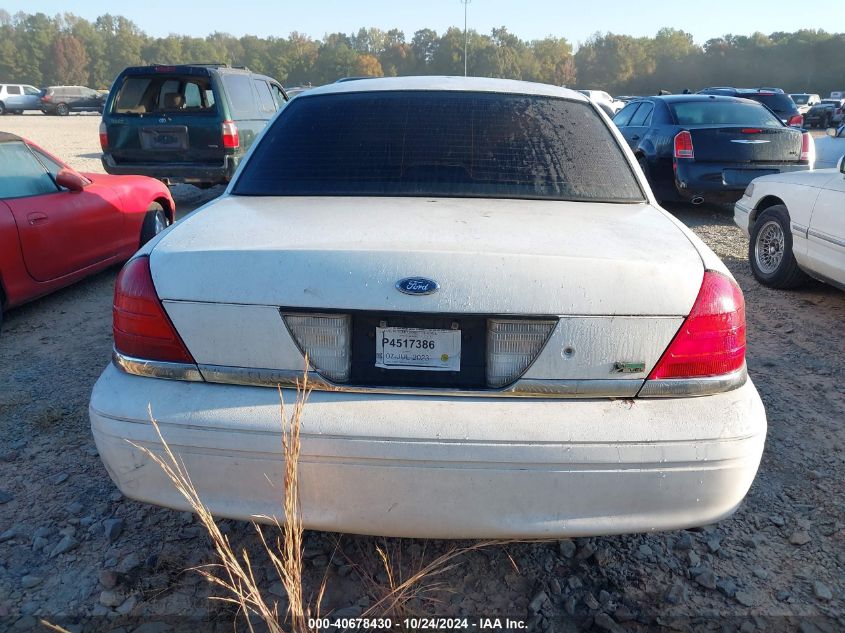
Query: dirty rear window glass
{"x": 712, "y": 112}
{"x": 157, "y": 94}
{"x": 428, "y": 143}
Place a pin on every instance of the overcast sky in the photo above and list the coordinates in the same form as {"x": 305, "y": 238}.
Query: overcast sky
{"x": 528, "y": 19}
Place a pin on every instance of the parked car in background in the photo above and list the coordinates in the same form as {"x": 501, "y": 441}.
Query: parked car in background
{"x": 706, "y": 147}
{"x": 602, "y": 97}
{"x": 507, "y": 336}
{"x": 824, "y": 114}
{"x": 58, "y": 226}
{"x": 296, "y": 90}
{"x": 804, "y": 101}
{"x": 830, "y": 148}
{"x": 62, "y": 100}
{"x": 16, "y": 98}
{"x": 838, "y": 112}
{"x": 189, "y": 124}
{"x": 773, "y": 98}
{"x": 796, "y": 226}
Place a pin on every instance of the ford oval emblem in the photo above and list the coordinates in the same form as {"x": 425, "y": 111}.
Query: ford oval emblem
{"x": 417, "y": 286}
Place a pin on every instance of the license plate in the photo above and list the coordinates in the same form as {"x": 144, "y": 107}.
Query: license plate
{"x": 418, "y": 349}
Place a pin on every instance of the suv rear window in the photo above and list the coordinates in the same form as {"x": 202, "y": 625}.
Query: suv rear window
{"x": 430, "y": 143}
{"x": 158, "y": 93}
{"x": 722, "y": 113}
{"x": 777, "y": 102}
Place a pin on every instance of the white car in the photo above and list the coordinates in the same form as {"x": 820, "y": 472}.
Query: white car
{"x": 796, "y": 225}
{"x": 804, "y": 101}
{"x": 508, "y": 337}
{"x": 829, "y": 149}
{"x": 602, "y": 97}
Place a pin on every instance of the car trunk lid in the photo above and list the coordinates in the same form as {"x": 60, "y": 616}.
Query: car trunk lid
{"x": 547, "y": 290}
{"x": 746, "y": 144}
{"x": 489, "y": 256}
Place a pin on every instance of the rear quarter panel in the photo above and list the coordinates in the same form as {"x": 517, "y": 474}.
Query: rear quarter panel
{"x": 136, "y": 194}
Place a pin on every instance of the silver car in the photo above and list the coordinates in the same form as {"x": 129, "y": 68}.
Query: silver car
{"x": 15, "y": 98}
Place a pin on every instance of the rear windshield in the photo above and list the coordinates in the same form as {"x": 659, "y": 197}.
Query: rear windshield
{"x": 431, "y": 143}
{"x": 777, "y": 102}
{"x": 713, "y": 112}
{"x": 158, "y": 93}
{"x": 801, "y": 99}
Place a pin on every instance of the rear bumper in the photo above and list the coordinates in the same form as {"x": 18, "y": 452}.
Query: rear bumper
{"x": 173, "y": 173}
{"x": 721, "y": 182}
{"x": 439, "y": 467}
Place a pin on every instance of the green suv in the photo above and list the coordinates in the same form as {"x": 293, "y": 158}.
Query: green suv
{"x": 185, "y": 124}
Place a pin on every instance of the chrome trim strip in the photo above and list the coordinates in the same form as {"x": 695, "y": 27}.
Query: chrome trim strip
{"x": 526, "y": 388}
{"x": 685, "y": 387}
{"x": 155, "y": 368}
{"x": 827, "y": 237}
{"x": 799, "y": 229}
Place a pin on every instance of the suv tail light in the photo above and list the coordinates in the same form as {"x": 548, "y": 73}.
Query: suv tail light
{"x": 683, "y": 145}
{"x": 46, "y": 97}
{"x": 796, "y": 120}
{"x": 512, "y": 346}
{"x": 104, "y": 136}
{"x": 230, "y": 134}
{"x": 806, "y": 146}
{"x": 141, "y": 326}
{"x": 327, "y": 341}
{"x": 711, "y": 341}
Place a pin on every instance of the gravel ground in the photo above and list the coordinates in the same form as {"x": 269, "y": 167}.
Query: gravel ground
{"x": 72, "y": 550}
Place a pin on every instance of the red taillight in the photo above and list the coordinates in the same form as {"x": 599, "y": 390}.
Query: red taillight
{"x": 230, "y": 134}
{"x": 806, "y": 146}
{"x": 683, "y": 145}
{"x": 751, "y": 130}
{"x": 47, "y": 98}
{"x": 795, "y": 120}
{"x": 711, "y": 342}
{"x": 104, "y": 136}
{"x": 141, "y": 327}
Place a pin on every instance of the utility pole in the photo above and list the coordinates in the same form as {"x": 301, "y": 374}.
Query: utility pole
{"x": 465, "y": 3}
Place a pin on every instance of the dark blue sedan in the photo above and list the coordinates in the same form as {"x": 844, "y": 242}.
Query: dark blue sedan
{"x": 694, "y": 148}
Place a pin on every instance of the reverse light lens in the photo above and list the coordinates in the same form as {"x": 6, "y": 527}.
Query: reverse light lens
{"x": 711, "y": 341}
{"x": 683, "y": 145}
{"x": 512, "y": 346}
{"x": 141, "y": 326}
{"x": 326, "y": 340}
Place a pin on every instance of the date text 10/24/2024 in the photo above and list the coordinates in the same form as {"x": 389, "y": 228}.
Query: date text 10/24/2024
{"x": 418, "y": 624}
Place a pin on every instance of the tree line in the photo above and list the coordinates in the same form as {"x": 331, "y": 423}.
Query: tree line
{"x": 66, "y": 49}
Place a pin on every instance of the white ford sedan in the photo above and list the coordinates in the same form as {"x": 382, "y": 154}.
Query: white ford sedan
{"x": 508, "y": 337}
{"x": 796, "y": 225}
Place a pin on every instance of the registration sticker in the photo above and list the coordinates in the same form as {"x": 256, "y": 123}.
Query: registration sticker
{"x": 418, "y": 349}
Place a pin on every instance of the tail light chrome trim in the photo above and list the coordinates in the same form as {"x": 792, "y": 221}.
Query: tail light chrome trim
{"x": 157, "y": 368}
{"x": 687, "y": 387}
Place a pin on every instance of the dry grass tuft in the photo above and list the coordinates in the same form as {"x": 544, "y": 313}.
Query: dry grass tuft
{"x": 234, "y": 573}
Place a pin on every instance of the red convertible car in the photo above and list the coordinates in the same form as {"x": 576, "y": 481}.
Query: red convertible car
{"x": 58, "y": 226}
